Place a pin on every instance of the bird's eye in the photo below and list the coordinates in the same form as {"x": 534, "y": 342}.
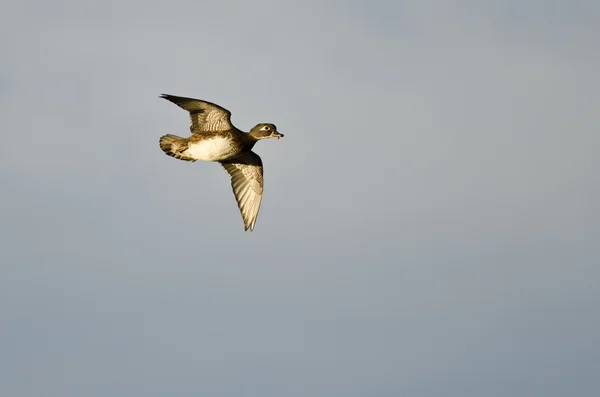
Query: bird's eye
{"x": 266, "y": 128}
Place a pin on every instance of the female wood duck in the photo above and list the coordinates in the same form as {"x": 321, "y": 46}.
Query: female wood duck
{"x": 214, "y": 138}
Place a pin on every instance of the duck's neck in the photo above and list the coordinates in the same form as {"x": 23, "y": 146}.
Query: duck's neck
{"x": 250, "y": 141}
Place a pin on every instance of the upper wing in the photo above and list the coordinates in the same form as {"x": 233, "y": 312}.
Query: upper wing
{"x": 246, "y": 173}
{"x": 206, "y": 116}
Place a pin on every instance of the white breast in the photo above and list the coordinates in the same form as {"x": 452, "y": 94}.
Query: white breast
{"x": 211, "y": 149}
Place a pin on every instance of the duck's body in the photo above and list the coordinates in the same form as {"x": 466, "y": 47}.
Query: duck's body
{"x": 207, "y": 146}
{"x": 215, "y": 148}
{"x": 214, "y": 138}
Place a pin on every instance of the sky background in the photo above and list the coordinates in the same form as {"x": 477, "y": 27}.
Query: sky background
{"x": 430, "y": 224}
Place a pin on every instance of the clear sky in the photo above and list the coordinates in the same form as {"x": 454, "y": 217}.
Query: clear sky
{"x": 430, "y": 224}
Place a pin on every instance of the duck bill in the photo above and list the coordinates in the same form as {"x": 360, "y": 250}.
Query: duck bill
{"x": 278, "y": 135}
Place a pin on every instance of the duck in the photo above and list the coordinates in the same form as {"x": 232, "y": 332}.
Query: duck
{"x": 215, "y": 139}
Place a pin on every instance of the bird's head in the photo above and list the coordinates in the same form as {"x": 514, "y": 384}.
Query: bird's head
{"x": 265, "y": 131}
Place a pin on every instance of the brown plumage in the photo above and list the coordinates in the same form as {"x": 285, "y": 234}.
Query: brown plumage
{"x": 214, "y": 138}
{"x": 174, "y": 145}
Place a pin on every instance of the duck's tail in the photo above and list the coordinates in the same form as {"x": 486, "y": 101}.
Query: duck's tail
{"x": 174, "y": 146}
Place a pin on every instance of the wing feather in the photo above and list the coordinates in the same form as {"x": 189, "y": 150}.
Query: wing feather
{"x": 205, "y": 116}
{"x": 246, "y": 173}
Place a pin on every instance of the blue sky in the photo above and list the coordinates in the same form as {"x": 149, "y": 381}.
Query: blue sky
{"x": 430, "y": 224}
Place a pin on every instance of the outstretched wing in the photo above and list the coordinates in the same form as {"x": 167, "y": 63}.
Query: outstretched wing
{"x": 206, "y": 116}
{"x": 246, "y": 173}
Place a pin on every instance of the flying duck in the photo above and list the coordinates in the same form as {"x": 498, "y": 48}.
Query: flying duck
{"x": 214, "y": 138}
